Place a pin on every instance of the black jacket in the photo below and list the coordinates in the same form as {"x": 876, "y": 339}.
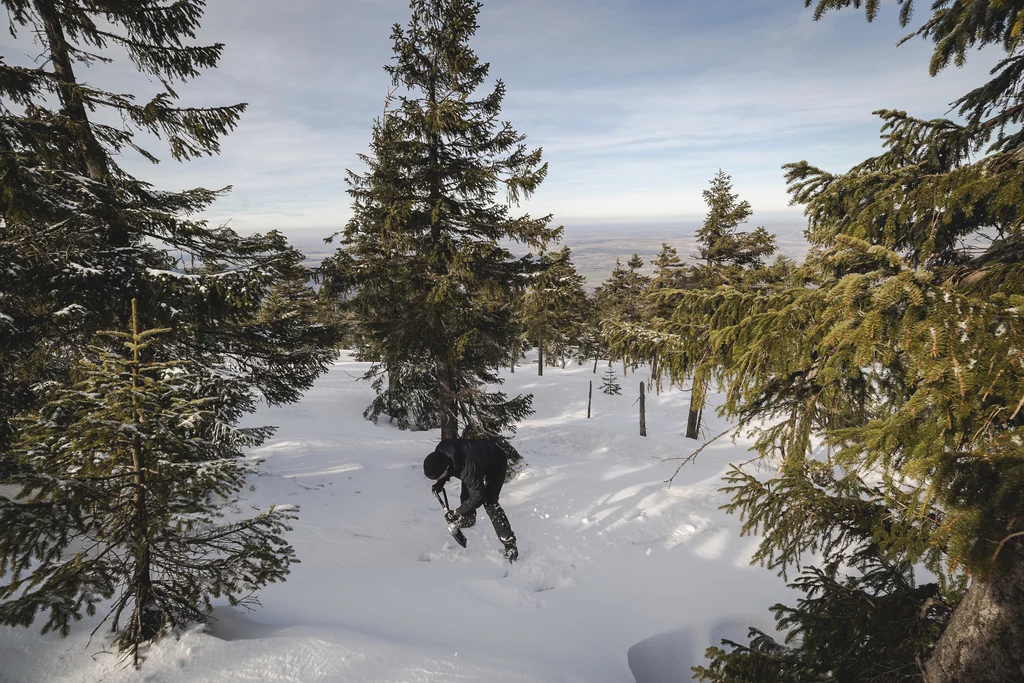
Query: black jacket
{"x": 480, "y": 465}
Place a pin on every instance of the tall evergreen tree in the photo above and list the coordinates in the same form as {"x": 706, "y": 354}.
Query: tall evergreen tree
{"x": 125, "y": 474}
{"x": 719, "y": 243}
{"x": 554, "y": 307}
{"x": 903, "y": 351}
{"x": 723, "y": 250}
{"x": 670, "y": 274}
{"x": 591, "y": 343}
{"x": 619, "y": 299}
{"x": 80, "y": 237}
{"x": 730, "y": 258}
{"x": 434, "y": 289}
{"x": 669, "y": 271}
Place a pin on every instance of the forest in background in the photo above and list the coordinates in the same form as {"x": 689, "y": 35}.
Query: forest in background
{"x": 883, "y": 372}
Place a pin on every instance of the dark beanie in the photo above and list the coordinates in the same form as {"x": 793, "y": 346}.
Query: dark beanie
{"x": 435, "y": 464}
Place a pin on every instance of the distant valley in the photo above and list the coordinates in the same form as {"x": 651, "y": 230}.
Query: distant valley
{"x": 595, "y": 246}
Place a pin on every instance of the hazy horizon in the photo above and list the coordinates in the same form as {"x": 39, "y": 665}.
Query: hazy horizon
{"x": 596, "y": 245}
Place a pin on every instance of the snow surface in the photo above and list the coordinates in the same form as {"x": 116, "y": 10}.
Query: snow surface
{"x": 621, "y": 577}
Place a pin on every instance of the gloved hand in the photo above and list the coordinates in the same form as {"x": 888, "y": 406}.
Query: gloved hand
{"x": 437, "y": 487}
{"x": 451, "y": 516}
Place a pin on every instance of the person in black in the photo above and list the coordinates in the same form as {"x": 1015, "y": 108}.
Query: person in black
{"x": 481, "y": 467}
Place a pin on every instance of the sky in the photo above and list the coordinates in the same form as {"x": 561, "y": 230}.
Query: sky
{"x": 636, "y": 103}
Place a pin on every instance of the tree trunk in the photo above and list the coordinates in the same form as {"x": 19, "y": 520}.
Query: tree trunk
{"x": 596, "y": 358}
{"x": 390, "y": 368}
{"x": 590, "y": 397}
{"x": 693, "y": 419}
{"x": 447, "y": 408}
{"x": 984, "y": 641}
{"x": 654, "y": 374}
{"x": 693, "y": 424}
{"x": 643, "y": 412}
{"x": 447, "y": 404}
{"x": 147, "y": 621}
{"x": 93, "y": 157}
{"x": 540, "y": 357}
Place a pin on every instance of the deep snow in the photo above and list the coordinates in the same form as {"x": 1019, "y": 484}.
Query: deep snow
{"x": 621, "y": 577}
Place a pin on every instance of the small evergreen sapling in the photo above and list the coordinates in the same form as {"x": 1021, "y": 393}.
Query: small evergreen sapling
{"x": 609, "y": 385}
{"x": 128, "y": 474}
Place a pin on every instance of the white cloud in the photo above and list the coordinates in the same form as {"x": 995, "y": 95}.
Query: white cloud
{"x": 636, "y": 104}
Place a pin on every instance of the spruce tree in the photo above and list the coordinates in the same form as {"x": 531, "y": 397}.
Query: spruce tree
{"x": 126, "y": 476}
{"x": 609, "y": 384}
{"x": 591, "y": 345}
{"x": 719, "y": 243}
{"x": 724, "y": 250}
{"x": 433, "y": 286}
{"x": 669, "y": 271}
{"x": 670, "y": 274}
{"x": 665, "y": 334}
{"x": 80, "y": 236}
{"x": 900, "y": 346}
{"x": 620, "y": 297}
{"x": 609, "y": 295}
{"x": 554, "y": 307}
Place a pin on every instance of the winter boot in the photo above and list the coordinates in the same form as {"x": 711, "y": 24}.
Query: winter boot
{"x": 511, "y": 552}
{"x": 504, "y": 530}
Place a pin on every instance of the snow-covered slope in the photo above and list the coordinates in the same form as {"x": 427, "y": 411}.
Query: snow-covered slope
{"x": 621, "y": 577}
